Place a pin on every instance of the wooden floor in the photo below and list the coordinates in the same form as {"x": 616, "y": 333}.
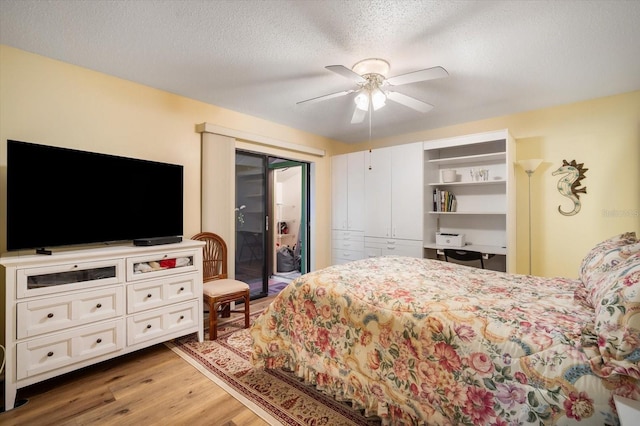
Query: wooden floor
{"x": 153, "y": 386}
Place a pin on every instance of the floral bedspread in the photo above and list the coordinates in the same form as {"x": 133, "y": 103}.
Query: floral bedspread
{"x": 418, "y": 341}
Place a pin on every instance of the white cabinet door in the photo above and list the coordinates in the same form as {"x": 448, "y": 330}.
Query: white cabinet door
{"x": 394, "y": 193}
{"x": 347, "y": 187}
{"x": 355, "y": 191}
{"x": 339, "y": 176}
{"x": 407, "y": 192}
{"x": 378, "y": 194}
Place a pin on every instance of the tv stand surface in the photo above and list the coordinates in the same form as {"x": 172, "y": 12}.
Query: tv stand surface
{"x": 75, "y": 308}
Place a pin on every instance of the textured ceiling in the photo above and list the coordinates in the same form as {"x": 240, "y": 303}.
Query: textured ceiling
{"x": 261, "y": 57}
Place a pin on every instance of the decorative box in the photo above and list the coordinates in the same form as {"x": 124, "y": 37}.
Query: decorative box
{"x": 449, "y": 240}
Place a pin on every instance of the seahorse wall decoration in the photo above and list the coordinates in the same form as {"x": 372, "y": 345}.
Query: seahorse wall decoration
{"x": 568, "y": 185}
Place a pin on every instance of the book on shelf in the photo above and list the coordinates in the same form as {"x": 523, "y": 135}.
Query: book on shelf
{"x": 444, "y": 201}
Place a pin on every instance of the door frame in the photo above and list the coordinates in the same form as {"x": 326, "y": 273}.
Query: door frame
{"x": 304, "y": 212}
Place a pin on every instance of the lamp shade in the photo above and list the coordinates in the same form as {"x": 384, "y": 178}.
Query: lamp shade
{"x": 378, "y": 99}
{"x": 362, "y": 101}
{"x": 530, "y": 165}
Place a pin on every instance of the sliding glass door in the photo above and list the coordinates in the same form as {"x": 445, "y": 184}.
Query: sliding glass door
{"x": 271, "y": 226}
{"x": 251, "y": 221}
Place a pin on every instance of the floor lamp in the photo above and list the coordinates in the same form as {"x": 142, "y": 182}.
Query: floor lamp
{"x": 529, "y": 167}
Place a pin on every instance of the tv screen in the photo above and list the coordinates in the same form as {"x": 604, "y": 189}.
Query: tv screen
{"x": 59, "y": 196}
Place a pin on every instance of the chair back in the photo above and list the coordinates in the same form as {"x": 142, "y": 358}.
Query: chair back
{"x": 464, "y": 255}
{"x": 214, "y": 256}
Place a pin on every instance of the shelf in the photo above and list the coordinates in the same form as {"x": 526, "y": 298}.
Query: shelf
{"x": 494, "y": 156}
{"x": 469, "y": 183}
{"x": 471, "y": 247}
{"x": 475, "y": 213}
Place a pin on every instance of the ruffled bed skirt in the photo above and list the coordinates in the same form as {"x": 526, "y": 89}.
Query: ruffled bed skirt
{"x": 349, "y": 391}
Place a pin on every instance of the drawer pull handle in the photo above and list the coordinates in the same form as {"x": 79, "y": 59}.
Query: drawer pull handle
{"x": 148, "y": 325}
{"x": 149, "y": 295}
{"x": 181, "y": 288}
{"x": 50, "y": 315}
{"x": 99, "y": 305}
{"x": 181, "y": 317}
{"x": 99, "y": 341}
{"x": 50, "y": 354}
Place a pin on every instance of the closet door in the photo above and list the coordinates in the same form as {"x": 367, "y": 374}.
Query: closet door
{"x": 355, "y": 185}
{"x": 377, "y": 182}
{"x": 339, "y": 191}
{"x": 394, "y": 193}
{"x": 347, "y": 188}
{"x": 407, "y": 192}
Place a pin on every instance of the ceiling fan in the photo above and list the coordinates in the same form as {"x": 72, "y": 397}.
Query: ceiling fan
{"x": 374, "y": 88}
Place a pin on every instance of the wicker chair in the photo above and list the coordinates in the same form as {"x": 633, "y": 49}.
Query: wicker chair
{"x": 220, "y": 291}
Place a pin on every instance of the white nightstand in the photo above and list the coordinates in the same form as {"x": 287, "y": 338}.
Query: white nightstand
{"x": 628, "y": 410}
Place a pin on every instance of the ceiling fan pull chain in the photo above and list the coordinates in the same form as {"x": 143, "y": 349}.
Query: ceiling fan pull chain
{"x": 370, "y": 115}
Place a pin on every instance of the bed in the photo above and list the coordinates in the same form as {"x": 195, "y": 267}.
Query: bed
{"x": 419, "y": 341}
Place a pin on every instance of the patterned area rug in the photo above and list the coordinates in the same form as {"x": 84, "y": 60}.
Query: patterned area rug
{"x": 277, "y": 396}
{"x": 275, "y": 287}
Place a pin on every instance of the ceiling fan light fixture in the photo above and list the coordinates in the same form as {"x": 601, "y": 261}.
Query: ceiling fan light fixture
{"x": 372, "y": 66}
{"x": 373, "y": 89}
{"x": 362, "y": 101}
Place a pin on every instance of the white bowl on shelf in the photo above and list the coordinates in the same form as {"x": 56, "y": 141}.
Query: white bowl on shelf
{"x": 449, "y": 176}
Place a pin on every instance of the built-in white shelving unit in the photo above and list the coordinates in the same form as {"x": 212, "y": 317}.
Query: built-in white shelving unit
{"x": 483, "y": 188}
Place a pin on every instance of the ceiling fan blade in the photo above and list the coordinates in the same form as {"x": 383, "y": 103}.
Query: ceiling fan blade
{"x": 358, "y": 116}
{"x": 325, "y": 97}
{"x": 410, "y": 102}
{"x": 346, "y": 72}
{"x": 415, "y": 76}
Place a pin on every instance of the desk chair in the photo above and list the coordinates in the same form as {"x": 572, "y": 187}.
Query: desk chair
{"x": 464, "y": 255}
{"x": 218, "y": 290}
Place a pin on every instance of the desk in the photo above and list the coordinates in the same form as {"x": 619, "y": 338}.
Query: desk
{"x": 494, "y": 257}
{"x": 471, "y": 247}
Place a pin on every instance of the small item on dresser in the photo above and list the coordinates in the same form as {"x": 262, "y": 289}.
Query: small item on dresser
{"x": 449, "y": 240}
{"x": 142, "y": 267}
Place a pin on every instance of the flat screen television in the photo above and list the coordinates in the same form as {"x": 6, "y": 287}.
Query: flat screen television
{"x": 61, "y": 197}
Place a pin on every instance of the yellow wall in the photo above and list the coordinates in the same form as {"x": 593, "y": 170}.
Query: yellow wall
{"x": 53, "y": 103}
{"x": 50, "y": 102}
{"x": 604, "y": 134}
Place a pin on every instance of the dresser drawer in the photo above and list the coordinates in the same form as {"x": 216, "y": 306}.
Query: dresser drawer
{"x": 154, "y": 294}
{"x": 162, "y": 264}
{"x": 338, "y": 234}
{"x": 45, "y": 315}
{"x": 342, "y": 256}
{"x": 160, "y": 322}
{"x": 375, "y": 247}
{"x": 348, "y": 245}
{"x": 44, "y": 354}
{"x": 65, "y": 277}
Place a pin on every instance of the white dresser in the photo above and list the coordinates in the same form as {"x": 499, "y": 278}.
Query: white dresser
{"x": 75, "y": 308}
